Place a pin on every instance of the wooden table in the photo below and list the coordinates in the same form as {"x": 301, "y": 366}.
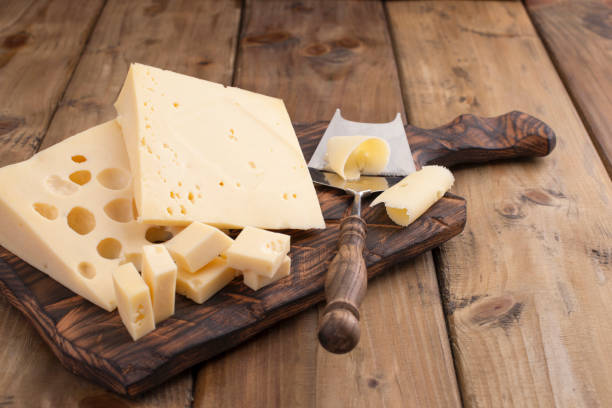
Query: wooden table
{"x": 513, "y": 312}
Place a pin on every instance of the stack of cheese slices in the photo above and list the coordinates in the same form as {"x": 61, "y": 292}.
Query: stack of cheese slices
{"x": 183, "y": 152}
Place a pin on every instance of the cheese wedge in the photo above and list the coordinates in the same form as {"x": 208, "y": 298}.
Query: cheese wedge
{"x": 223, "y": 156}
{"x": 197, "y": 245}
{"x": 68, "y": 212}
{"x": 350, "y": 156}
{"x": 410, "y": 198}
{"x": 133, "y": 301}
{"x": 258, "y": 250}
{"x": 256, "y": 281}
{"x": 159, "y": 273}
{"x": 204, "y": 283}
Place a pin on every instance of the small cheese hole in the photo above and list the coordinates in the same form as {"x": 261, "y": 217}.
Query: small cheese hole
{"x": 80, "y": 177}
{"x": 285, "y": 196}
{"x": 238, "y": 184}
{"x": 57, "y": 185}
{"x": 87, "y": 270}
{"x": 139, "y": 314}
{"x": 190, "y": 196}
{"x": 252, "y": 164}
{"x": 157, "y": 235}
{"x": 46, "y": 210}
{"x": 169, "y": 210}
{"x": 79, "y": 158}
{"x": 180, "y": 184}
{"x": 183, "y": 210}
{"x": 172, "y": 194}
{"x": 114, "y": 179}
{"x": 294, "y": 195}
{"x": 81, "y": 220}
{"x": 221, "y": 184}
{"x": 120, "y": 210}
{"x": 175, "y": 104}
{"x": 109, "y": 248}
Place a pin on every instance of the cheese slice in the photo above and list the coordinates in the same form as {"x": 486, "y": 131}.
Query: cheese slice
{"x": 256, "y": 281}
{"x": 197, "y": 245}
{"x": 68, "y": 212}
{"x": 410, "y": 198}
{"x": 224, "y": 156}
{"x": 258, "y": 250}
{"x": 204, "y": 283}
{"x": 350, "y": 156}
{"x": 159, "y": 273}
{"x": 133, "y": 301}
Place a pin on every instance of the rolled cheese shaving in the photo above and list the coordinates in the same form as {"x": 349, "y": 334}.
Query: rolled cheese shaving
{"x": 410, "y": 198}
{"x": 350, "y": 156}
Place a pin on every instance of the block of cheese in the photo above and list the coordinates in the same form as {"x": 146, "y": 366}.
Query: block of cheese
{"x": 258, "y": 250}
{"x": 68, "y": 211}
{"x": 204, "y": 283}
{"x": 223, "y": 156}
{"x": 350, "y": 156}
{"x": 133, "y": 301}
{"x": 410, "y": 198}
{"x": 197, "y": 245}
{"x": 256, "y": 281}
{"x": 159, "y": 273}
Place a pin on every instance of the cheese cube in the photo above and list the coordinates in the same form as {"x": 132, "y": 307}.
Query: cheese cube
{"x": 256, "y": 281}
{"x": 258, "y": 250}
{"x": 133, "y": 301}
{"x": 200, "y": 151}
{"x": 159, "y": 273}
{"x": 197, "y": 245}
{"x": 204, "y": 283}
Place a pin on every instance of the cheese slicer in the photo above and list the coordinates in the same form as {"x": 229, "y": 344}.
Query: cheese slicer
{"x": 467, "y": 139}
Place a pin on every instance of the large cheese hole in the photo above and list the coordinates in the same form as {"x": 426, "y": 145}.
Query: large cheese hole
{"x": 119, "y": 210}
{"x": 79, "y": 158}
{"x": 87, "y": 270}
{"x": 109, "y": 248}
{"x": 157, "y": 235}
{"x": 81, "y": 220}
{"x": 57, "y": 185}
{"x": 46, "y": 210}
{"x": 114, "y": 179}
{"x": 80, "y": 177}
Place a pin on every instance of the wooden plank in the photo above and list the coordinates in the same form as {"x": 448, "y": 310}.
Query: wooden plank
{"x": 318, "y": 57}
{"x": 40, "y": 44}
{"x": 578, "y": 34}
{"x": 166, "y": 34}
{"x": 526, "y": 286}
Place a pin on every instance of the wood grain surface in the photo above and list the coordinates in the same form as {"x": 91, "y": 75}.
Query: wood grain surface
{"x": 319, "y": 56}
{"x": 578, "y": 34}
{"x": 526, "y": 286}
{"x": 159, "y": 33}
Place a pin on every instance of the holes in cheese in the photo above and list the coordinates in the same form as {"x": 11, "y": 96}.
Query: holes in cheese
{"x": 48, "y": 211}
{"x": 80, "y": 177}
{"x": 197, "y": 245}
{"x": 258, "y": 250}
{"x": 113, "y": 179}
{"x": 410, "y": 198}
{"x": 350, "y": 156}
{"x": 58, "y": 185}
{"x": 109, "y": 248}
{"x": 158, "y": 235}
{"x": 120, "y": 210}
{"x": 81, "y": 220}
{"x": 78, "y": 158}
{"x": 87, "y": 270}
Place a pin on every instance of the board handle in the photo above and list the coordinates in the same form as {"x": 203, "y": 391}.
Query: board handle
{"x": 345, "y": 287}
{"x": 473, "y": 139}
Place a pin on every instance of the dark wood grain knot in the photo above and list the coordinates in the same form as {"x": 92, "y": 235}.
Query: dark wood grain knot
{"x": 16, "y": 40}
{"x": 314, "y": 50}
{"x": 273, "y": 37}
{"x": 348, "y": 43}
{"x": 511, "y": 211}
{"x": 499, "y": 311}
{"x": 8, "y": 124}
{"x": 537, "y": 196}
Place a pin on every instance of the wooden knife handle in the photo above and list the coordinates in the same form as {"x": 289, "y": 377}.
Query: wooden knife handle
{"x": 345, "y": 287}
{"x": 473, "y": 139}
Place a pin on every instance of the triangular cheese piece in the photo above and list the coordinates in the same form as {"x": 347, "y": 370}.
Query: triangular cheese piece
{"x": 224, "y": 156}
{"x": 68, "y": 211}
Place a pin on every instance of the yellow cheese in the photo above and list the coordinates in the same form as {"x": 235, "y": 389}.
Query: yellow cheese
{"x": 159, "y": 273}
{"x": 258, "y": 250}
{"x": 256, "y": 281}
{"x": 68, "y": 212}
{"x": 410, "y": 198}
{"x": 350, "y": 156}
{"x": 224, "y": 156}
{"x": 197, "y": 245}
{"x": 204, "y": 283}
{"x": 133, "y": 301}
{"x": 362, "y": 184}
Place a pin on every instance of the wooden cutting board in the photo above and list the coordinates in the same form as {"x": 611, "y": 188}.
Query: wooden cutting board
{"x": 94, "y": 344}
